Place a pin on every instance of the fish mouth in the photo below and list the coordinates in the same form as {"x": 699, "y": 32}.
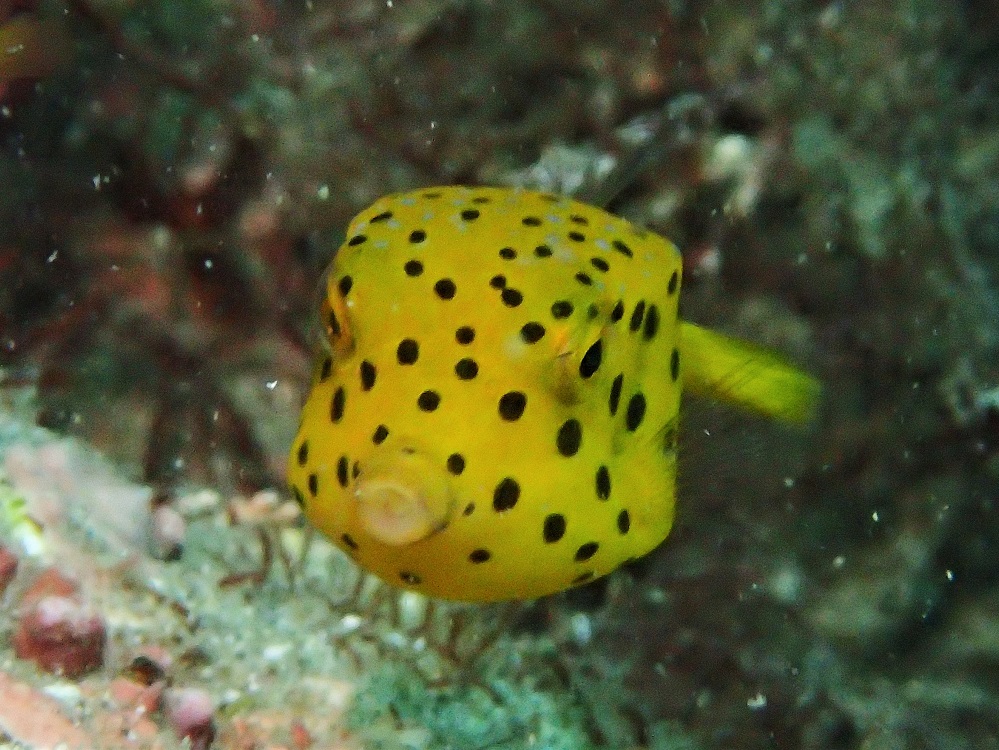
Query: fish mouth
{"x": 396, "y": 513}
{"x": 403, "y": 497}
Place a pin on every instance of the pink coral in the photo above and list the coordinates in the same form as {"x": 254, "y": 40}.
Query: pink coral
{"x": 34, "y": 719}
{"x": 191, "y": 712}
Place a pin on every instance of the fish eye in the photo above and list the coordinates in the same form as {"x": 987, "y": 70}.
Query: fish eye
{"x": 330, "y": 331}
{"x": 325, "y": 325}
{"x": 321, "y": 331}
{"x": 590, "y": 362}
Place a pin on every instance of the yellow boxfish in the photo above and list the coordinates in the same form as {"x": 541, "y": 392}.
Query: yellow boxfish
{"x": 495, "y": 416}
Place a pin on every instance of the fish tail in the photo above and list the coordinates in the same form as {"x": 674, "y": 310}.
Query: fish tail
{"x": 728, "y": 369}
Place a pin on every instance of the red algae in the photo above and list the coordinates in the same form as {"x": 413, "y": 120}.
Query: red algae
{"x": 8, "y": 568}
{"x": 61, "y": 635}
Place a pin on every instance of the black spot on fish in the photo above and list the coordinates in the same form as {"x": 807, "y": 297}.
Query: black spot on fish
{"x": 512, "y": 405}
{"x": 554, "y": 528}
{"x": 569, "y": 437}
{"x": 506, "y": 494}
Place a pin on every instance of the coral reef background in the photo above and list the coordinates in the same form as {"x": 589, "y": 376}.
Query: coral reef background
{"x": 174, "y": 176}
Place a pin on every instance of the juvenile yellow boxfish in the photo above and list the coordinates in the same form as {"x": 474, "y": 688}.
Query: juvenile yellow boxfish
{"x": 496, "y": 415}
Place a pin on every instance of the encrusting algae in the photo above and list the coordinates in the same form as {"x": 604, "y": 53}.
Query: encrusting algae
{"x": 496, "y": 415}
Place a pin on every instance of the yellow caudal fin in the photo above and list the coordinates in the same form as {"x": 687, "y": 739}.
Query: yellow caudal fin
{"x": 728, "y": 369}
